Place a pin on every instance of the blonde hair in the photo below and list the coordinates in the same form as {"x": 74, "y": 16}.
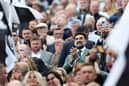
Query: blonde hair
{"x": 63, "y": 71}
{"x": 30, "y": 62}
{"x": 90, "y": 20}
{"x": 112, "y": 9}
{"x": 41, "y": 80}
{"x": 76, "y": 68}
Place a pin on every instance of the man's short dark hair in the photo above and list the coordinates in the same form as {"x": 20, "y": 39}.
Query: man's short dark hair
{"x": 35, "y": 39}
{"x": 88, "y": 64}
{"x": 81, "y": 33}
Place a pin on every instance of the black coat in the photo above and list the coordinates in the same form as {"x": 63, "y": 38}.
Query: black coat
{"x": 41, "y": 67}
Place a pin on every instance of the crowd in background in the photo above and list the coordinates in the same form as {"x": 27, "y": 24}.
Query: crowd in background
{"x": 67, "y": 47}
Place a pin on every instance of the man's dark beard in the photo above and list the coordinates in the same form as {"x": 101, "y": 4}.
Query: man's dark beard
{"x": 80, "y": 47}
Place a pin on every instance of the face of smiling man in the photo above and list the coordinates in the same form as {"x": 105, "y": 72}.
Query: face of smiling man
{"x": 80, "y": 41}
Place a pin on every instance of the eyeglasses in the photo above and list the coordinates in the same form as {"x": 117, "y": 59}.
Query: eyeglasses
{"x": 50, "y": 78}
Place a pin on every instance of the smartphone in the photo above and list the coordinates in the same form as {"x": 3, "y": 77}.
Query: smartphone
{"x": 104, "y": 23}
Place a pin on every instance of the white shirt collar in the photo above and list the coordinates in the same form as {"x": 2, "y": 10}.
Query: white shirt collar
{"x": 37, "y": 55}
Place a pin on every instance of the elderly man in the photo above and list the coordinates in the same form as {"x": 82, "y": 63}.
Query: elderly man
{"x": 103, "y": 28}
{"x": 19, "y": 71}
{"x": 23, "y": 51}
{"x": 42, "y": 30}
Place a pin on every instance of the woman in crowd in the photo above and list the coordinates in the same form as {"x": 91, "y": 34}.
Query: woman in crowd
{"x": 109, "y": 7}
{"x": 34, "y": 78}
{"x": 54, "y": 79}
{"x": 61, "y": 71}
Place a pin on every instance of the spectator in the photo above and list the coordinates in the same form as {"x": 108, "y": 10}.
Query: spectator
{"x": 110, "y": 58}
{"x": 71, "y": 84}
{"x": 61, "y": 22}
{"x": 26, "y": 36}
{"x": 84, "y": 10}
{"x": 78, "y": 53}
{"x": 54, "y": 79}
{"x": 46, "y": 17}
{"x": 75, "y": 24}
{"x": 15, "y": 83}
{"x": 110, "y": 7}
{"x": 92, "y": 56}
{"x": 15, "y": 37}
{"x": 32, "y": 24}
{"x": 58, "y": 33}
{"x": 103, "y": 28}
{"x": 116, "y": 16}
{"x": 52, "y": 10}
{"x": 70, "y": 44}
{"x": 23, "y": 51}
{"x": 34, "y": 63}
{"x": 58, "y": 46}
{"x": 34, "y": 78}
{"x": 93, "y": 59}
{"x": 61, "y": 71}
{"x": 87, "y": 74}
{"x": 30, "y": 62}
{"x": 42, "y": 30}
{"x": 93, "y": 84}
{"x": 90, "y": 22}
{"x": 76, "y": 74}
{"x": 70, "y": 12}
{"x": 3, "y": 75}
{"x": 37, "y": 6}
{"x": 94, "y": 9}
{"x": 64, "y": 3}
{"x": 38, "y": 52}
{"x": 59, "y": 8}
{"x": 19, "y": 71}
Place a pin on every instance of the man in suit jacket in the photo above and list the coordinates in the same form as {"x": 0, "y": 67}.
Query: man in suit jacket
{"x": 38, "y": 52}
{"x": 83, "y": 10}
{"x": 70, "y": 44}
{"x": 78, "y": 53}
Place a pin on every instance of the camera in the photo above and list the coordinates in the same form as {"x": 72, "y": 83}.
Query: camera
{"x": 104, "y": 23}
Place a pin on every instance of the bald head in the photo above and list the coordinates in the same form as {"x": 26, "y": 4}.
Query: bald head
{"x": 23, "y": 50}
{"x": 23, "y": 67}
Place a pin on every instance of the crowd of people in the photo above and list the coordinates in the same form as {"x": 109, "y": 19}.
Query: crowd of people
{"x": 67, "y": 47}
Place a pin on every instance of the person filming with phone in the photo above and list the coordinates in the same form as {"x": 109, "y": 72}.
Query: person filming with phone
{"x": 103, "y": 28}
{"x": 99, "y": 36}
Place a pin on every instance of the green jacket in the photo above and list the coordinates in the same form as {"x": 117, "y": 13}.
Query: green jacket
{"x": 68, "y": 67}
